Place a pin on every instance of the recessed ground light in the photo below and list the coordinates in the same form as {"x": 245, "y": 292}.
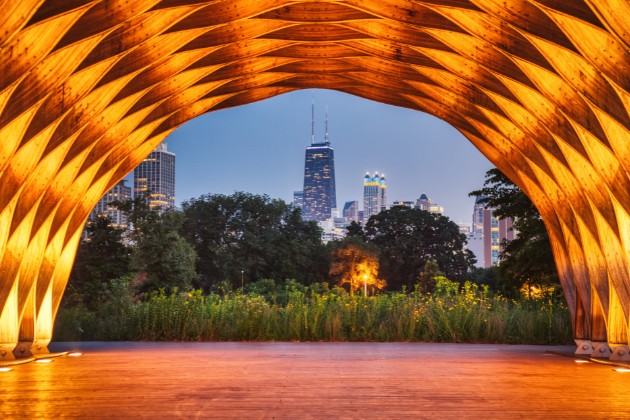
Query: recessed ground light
{"x": 581, "y": 361}
{"x": 621, "y": 369}
{"x": 5, "y": 369}
{"x": 75, "y": 354}
{"x": 43, "y": 360}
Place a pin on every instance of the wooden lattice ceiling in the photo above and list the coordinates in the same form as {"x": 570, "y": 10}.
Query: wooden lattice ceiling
{"x": 89, "y": 88}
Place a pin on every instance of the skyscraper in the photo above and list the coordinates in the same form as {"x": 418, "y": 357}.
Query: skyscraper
{"x": 298, "y": 198}
{"x": 424, "y": 203}
{"x": 495, "y": 230}
{"x": 487, "y": 234}
{"x": 319, "y": 194}
{"x": 383, "y": 192}
{"x": 156, "y": 175}
{"x": 120, "y": 192}
{"x": 351, "y": 211}
{"x": 477, "y": 219}
{"x": 374, "y": 195}
{"x": 410, "y": 204}
{"x": 475, "y": 242}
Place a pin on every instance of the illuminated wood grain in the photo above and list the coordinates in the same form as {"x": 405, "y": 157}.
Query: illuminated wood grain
{"x": 88, "y": 88}
{"x": 314, "y": 380}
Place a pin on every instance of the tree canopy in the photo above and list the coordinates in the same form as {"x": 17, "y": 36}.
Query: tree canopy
{"x": 162, "y": 258}
{"x": 528, "y": 259}
{"x": 102, "y": 257}
{"x": 407, "y": 238}
{"x": 225, "y": 241}
{"x": 252, "y": 236}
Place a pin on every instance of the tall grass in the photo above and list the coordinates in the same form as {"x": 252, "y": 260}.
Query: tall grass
{"x": 452, "y": 314}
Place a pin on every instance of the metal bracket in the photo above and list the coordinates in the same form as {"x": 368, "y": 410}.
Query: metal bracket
{"x": 601, "y": 350}
{"x": 38, "y": 348}
{"x": 6, "y": 352}
{"x": 22, "y": 350}
{"x": 584, "y": 347}
{"x": 620, "y": 352}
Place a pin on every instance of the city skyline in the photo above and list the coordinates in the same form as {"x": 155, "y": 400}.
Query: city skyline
{"x": 259, "y": 148}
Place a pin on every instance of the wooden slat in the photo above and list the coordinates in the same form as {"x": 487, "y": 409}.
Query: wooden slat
{"x": 305, "y": 380}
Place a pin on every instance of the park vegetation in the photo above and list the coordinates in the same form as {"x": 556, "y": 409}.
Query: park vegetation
{"x": 247, "y": 267}
{"x": 292, "y": 311}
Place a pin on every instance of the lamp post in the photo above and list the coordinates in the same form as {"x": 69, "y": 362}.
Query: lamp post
{"x": 365, "y": 285}
{"x": 242, "y": 284}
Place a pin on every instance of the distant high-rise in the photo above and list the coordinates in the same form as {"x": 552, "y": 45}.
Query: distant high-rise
{"x": 410, "y": 204}
{"x": 477, "y": 219}
{"x": 424, "y": 203}
{"x": 374, "y": 195}
{"x": 475, "y": 240}
{"x": 319, "y": 194}
{"x": 120, "y": 192}
{"x": 156, "y": 175}
{"x": 383, "y": 192}
{"x": 487, "y": 234}
{"x": 298, "y": 198}
{"x": 495, "y": 230}
{"x": 351, "y": 211}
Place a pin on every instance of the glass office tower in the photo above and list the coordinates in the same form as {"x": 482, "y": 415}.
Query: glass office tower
{"x": 120, "y": 192}
{"x": 319, "y": 196}
{"x": 156, "y": 175}
{"x": 374, "y": 195}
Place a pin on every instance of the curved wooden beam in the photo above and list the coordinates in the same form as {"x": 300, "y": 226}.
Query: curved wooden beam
{"x": 89, "y": 87}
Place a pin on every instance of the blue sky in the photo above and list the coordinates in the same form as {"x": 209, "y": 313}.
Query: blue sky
{"x": 259, "y": 148}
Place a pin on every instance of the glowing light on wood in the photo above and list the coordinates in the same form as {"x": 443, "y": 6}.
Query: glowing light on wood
{"x": 89, "y": 88}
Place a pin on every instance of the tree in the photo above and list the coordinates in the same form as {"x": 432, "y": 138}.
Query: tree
{"x": 528, "y": 259}
{"x": 486, "y": 276}
{"x": 428, "y": 276}
{"x": 262, "y": 237}
{"x": 354, "y": 229}
{"x": 101, "y": 258}
{"x": 163, "y": 258}
{"x": 407, "y": 238}
{"x": 355, "y": 263}
{"x": 166, "y": 258}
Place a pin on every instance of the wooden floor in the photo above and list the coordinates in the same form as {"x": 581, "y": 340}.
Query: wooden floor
{"x": 313, "y": 380}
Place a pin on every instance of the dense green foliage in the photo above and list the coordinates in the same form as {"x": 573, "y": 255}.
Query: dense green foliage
{"x": 241, "y": 238}
{"x": 407, "y": 238}
{"x": 101, "y": 257}
{"x": 528, "y": 259}
{"x": 151, "y": 256}
{"x": 166, "y": 258}
{"x": 160, "y": 257}
{"x": 429, "y": 276}
{"x": 249, "y": 237}
{"x": 297, "y": 312}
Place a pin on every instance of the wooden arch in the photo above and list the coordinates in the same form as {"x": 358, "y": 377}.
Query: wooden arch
{"x": 89, "y": 87}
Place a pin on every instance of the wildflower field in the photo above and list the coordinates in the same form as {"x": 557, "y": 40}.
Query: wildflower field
{"x": 292, "y": 312}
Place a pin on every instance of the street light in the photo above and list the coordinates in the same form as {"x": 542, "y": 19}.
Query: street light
{"x": 365, "y": 285}
{"x": 242, "y": 272}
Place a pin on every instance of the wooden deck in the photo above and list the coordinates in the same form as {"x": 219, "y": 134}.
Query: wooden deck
{"x": 313, "y": 380}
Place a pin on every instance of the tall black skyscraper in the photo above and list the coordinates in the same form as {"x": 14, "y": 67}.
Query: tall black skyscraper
{"x": 320, "y": 196}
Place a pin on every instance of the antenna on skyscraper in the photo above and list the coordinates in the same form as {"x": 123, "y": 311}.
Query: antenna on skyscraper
{"x": 326, "y": 125}
{"x": 312, "y": 120}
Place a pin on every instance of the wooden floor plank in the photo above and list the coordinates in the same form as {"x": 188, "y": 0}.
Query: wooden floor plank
{"x": 313, "y": 380}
